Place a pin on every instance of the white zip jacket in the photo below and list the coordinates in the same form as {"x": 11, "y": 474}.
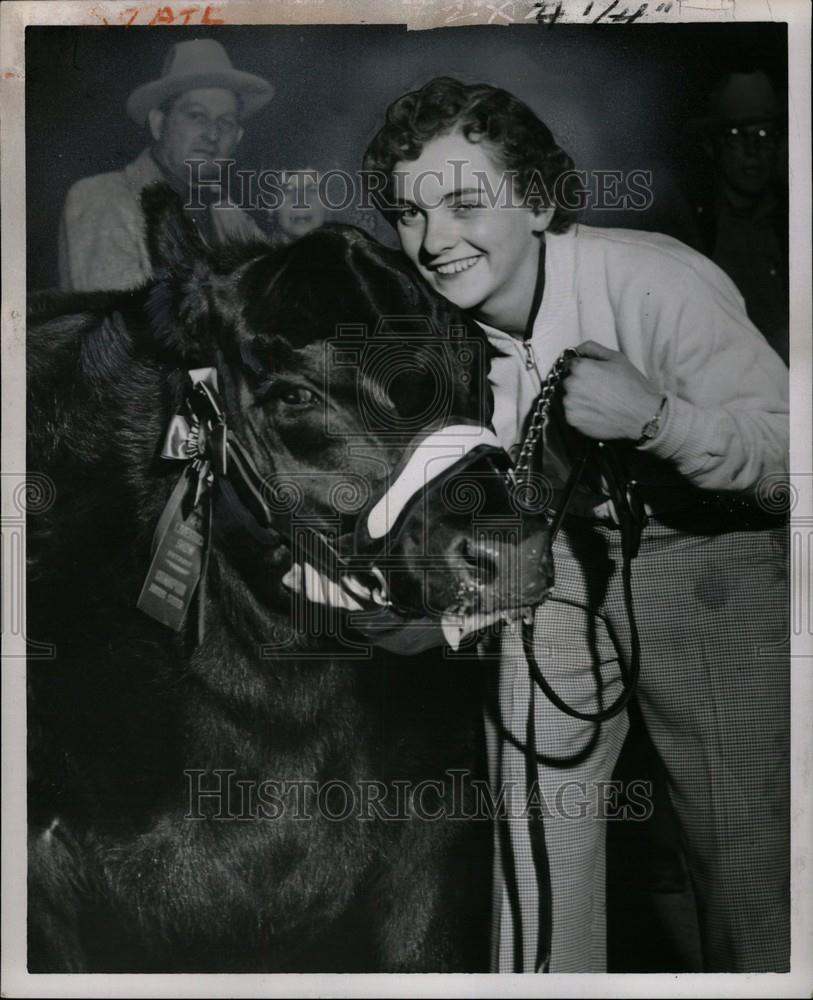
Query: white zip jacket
{"x": 681, "y": 321}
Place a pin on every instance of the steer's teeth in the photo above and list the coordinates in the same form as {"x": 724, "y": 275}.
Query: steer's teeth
{"x": 528, "y": 615}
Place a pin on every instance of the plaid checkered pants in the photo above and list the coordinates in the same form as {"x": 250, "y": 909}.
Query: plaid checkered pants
{"x": 712, "y": 615}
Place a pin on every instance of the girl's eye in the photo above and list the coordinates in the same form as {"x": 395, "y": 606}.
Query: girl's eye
{"x": 408, "y": 215}
{"x": 463, "y": 207}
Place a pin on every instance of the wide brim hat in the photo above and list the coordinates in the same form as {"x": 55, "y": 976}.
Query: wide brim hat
{"x": 739, "y": 99}
{"x": 196, "y": 64}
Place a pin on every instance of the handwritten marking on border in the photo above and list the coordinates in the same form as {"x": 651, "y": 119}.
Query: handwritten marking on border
{"x": 153, "y": 14}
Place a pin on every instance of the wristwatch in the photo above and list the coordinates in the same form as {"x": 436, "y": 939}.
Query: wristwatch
{"x": 653, "y": 425}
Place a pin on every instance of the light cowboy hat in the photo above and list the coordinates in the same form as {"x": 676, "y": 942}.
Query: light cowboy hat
{"x": 200, "y": 62}
{"x": 740, "y": 99}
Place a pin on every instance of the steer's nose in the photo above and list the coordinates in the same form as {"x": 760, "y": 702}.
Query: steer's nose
{"x": 503, "y": 568}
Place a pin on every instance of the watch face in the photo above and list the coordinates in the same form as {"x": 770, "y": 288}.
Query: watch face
{"x": 652, "y": 426}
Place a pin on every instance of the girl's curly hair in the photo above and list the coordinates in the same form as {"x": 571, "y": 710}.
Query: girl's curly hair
{"x": 482, "y": 113}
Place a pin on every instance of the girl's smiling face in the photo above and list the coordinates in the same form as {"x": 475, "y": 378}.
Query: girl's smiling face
{"x": 466, "y": 230}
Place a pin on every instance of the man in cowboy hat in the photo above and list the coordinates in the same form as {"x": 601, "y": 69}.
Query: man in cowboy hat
{"x": 743, "y": 219}
{"x": 194, "y": 112}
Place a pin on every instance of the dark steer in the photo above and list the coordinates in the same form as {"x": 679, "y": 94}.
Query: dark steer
{"x": 268, "y": 795}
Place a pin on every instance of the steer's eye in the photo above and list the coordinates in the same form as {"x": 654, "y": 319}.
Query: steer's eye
{"x": 276, "y": 390}
{"x": 296, "y": 395}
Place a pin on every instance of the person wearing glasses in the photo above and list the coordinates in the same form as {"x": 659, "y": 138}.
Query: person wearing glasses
{"x": 194, "y": 113}
{"x": 742, "y": 219}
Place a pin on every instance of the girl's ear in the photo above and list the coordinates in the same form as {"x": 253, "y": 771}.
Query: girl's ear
{"x": 542, "y": 218}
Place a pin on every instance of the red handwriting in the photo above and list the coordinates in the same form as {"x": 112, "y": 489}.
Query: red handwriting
{"x": 165, "y": 14}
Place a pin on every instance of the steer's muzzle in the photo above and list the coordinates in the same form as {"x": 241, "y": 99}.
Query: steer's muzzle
{"x": 498, "y": 567}
{"x": 465, "y": 546}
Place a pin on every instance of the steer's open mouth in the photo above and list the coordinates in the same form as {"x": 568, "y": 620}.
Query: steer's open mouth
{"x": 498, "y": 577}
{"x": 475, "y": 604}
{"x": 457, "y": 626}
{"x": 472, "y": 614}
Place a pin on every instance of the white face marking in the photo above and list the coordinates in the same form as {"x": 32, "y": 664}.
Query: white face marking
{"x": 431, "y": 458}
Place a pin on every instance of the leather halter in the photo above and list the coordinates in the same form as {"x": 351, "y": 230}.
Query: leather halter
{"x": 221, "y": 464}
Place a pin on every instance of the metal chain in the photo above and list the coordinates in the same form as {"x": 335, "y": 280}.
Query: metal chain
{"x": 539, "y": 417}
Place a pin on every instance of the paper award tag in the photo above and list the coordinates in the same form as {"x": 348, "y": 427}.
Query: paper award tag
{"x": 178, "y": 559}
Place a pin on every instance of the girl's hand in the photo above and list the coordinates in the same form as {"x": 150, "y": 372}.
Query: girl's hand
{"x": 606, "y": 397}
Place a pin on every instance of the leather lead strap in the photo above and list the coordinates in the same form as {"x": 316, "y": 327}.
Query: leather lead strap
{"x": 536, "y": 829}
{"x": 539, "y": 847}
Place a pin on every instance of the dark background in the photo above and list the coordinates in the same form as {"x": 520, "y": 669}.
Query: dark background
{"x": 616, "y": 97}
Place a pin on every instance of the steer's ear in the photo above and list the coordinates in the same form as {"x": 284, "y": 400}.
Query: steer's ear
{"x": 181, "y": 303}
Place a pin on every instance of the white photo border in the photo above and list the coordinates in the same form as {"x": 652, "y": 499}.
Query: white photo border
{"x": 419, "y": 15}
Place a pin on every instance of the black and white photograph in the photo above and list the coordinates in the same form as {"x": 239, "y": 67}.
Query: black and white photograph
{"x": 407, "y": 498}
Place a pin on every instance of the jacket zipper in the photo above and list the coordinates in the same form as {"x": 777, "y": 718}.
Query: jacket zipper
{"x": 530, "y": 361}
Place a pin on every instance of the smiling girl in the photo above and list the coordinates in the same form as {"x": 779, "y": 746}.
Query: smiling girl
{"x": 695, "y": 401}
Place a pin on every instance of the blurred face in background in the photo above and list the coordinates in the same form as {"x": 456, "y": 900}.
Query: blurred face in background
{"x": 746, "y": 157}
{"x": 302, "y": 209}
{"x": 200, "y": 125}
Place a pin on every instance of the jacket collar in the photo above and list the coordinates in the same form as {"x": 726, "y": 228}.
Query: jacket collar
{"x": 143, "y": 170}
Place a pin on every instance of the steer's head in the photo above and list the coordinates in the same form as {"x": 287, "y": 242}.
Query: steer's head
{"x": 363, "y": 399}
